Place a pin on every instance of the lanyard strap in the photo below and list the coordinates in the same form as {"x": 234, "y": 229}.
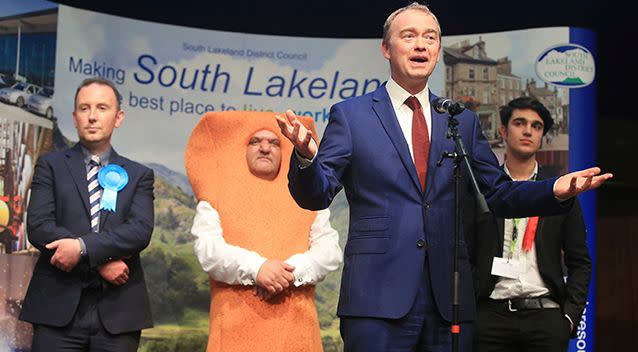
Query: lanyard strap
{"x": 514, "y": 240}
{"x": 528, "y": 237}
{"x": 530, "y": 231}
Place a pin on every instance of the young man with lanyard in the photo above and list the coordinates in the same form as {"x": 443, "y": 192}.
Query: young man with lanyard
{"x": 524, "y": 304}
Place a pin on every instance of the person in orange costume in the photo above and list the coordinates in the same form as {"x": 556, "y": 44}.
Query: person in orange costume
{"x": 262, "y": 266}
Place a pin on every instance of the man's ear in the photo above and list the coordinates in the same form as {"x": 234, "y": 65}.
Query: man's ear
{"x": 503, "y": 131}
{"x": 385, "y": 49}
{"x": 119, "y": 118}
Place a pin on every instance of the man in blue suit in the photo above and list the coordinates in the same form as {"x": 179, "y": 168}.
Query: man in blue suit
{"x": 383, "y": 148}
{"x": 90, "y": 215}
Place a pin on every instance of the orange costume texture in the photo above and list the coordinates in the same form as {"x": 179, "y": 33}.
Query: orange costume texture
{"x": 256, "y": 215}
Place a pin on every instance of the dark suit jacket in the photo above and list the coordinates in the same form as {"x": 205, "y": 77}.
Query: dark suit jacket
{"x": 555, "y": 235}
{"x": 59, "y": 208}
{"x": 363, "y": 150}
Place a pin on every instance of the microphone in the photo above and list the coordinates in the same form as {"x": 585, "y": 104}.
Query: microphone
{"x": 443, "y": 105}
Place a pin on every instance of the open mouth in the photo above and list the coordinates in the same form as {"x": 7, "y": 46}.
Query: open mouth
{"x": 419, "y": 59}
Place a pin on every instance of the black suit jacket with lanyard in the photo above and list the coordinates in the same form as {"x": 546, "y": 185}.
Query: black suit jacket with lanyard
{"x": 560, "y": 239}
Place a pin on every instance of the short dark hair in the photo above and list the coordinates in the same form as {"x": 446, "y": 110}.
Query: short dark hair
{"x": 527, "y": 103}
{"x": 102, "y": 81}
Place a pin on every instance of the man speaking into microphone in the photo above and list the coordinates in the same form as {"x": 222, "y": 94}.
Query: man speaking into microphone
{"x": 382, "y": 148}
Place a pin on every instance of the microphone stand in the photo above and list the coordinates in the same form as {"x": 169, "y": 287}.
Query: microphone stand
{"x": 458, "y": 156}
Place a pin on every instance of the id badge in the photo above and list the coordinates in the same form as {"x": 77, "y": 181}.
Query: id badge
{"x": 504, "y": 267}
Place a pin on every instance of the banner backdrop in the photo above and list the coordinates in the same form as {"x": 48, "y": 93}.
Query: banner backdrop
{"x": 170, "y": 76}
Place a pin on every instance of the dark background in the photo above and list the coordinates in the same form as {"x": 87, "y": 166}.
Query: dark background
{"x": 616, "y": 27}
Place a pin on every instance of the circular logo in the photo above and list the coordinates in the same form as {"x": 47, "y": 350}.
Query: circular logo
{"x": 112, "y": 177}
{"x": 566, "y": 65}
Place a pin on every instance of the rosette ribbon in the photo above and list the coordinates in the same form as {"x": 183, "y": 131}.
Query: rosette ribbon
{"x": 113, "y": 178}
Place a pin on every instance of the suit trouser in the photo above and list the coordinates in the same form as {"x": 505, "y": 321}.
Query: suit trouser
{"x": 422, "y": 329}
{"x": 534, "y": 330}
{"x": 84, "y": 333}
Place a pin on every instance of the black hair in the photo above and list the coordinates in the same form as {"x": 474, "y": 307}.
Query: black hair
{"x": 527, "y": 103}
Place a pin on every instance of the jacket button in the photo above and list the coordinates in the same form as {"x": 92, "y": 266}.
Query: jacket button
{"x": 426, "y": 205}
{"x": 420, "y": 243}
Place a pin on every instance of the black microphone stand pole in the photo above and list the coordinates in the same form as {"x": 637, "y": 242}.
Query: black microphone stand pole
{"x": 458, "y": 156}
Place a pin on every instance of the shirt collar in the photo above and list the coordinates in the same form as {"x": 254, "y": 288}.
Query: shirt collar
{"x": 531, "y": 177}
{"x": 104, "y": 156}
{"x": 398, "y": 95}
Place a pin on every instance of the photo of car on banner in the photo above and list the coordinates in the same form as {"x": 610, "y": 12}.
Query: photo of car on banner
{"x": 18, "y": 93}
{"x": 42, "y": 102}
{"x": 27, "y": 58}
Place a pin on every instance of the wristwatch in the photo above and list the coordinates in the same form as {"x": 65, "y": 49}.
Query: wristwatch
{"x": 82, "y": 248}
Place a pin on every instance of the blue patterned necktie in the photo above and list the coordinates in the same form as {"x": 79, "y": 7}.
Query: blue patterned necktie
{"x": 95, "y": 192}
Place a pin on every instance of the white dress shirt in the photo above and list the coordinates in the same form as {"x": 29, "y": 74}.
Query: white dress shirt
{"x": 235, "y": 265}
{"x": 529, "y": 283}
{"x": 398, "y": 95}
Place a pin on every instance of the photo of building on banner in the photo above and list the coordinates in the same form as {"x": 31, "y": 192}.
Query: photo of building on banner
{"x": 170, "y": 75}
{"x": 484, "y": 83}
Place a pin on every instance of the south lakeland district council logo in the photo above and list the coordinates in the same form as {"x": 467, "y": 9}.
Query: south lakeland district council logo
{"x": 566, "y": 65}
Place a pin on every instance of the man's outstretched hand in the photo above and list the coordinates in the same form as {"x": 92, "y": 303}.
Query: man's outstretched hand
{"x": 575, "y": 183}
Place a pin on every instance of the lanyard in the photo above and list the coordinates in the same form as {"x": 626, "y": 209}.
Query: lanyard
{"x": 515, "y": 226}
{"x": 514, "y": 240}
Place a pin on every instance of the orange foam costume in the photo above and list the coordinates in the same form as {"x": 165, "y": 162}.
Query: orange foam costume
{"x": 259, "y": 215}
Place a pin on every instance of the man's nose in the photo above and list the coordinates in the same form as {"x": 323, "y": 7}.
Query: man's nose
{"x": 92, "y": 115}
{"x": 419, "y": 44}
{"x": 264, "y": 147}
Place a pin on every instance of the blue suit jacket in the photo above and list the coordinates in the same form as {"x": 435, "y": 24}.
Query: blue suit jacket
{"x": 363, "y": 150}
{"x": 59, "y": 208}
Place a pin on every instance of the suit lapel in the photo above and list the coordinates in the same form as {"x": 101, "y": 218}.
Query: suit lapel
{"x": 437, "y": 137}
{"x": 382, "y": 106}
{"x": 538, "y": 240}
{"x": 116, "y": 160}
{"x": 75, "y": 162}
{"x": 500, "y": 234}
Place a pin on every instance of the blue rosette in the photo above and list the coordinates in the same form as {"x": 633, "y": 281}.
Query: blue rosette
{"x": 113, "y": 178}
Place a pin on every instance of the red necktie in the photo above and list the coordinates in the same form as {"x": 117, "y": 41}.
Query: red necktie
{"x": 420, "y": 139}
{"x": 530, "y": 233}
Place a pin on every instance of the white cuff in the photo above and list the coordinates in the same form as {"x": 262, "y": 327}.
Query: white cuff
{"x": 571, "y": 323}
{"x": 302, "y": 269}
{"x": 253, "y": 269}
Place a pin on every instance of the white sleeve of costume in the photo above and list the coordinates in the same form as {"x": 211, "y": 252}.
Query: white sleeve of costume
{"x": 223, "y": 262}
{"x": 323, "y": 256}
